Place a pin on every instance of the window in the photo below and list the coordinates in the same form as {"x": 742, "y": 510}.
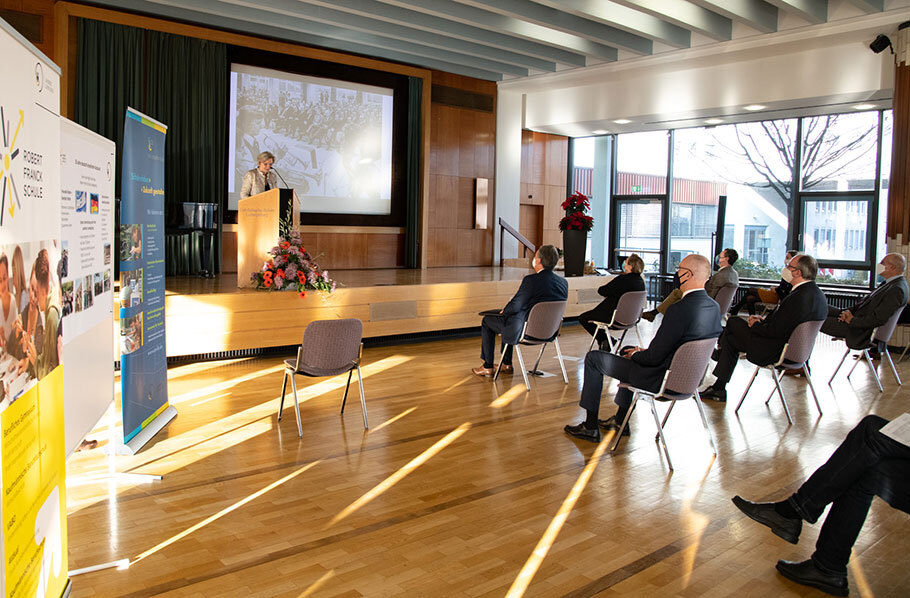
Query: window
{"x": 838, "y": 234}
{"x": 641, "y": 163}
{"x": 639, "y": 225}
{"x": 839, "y": 152}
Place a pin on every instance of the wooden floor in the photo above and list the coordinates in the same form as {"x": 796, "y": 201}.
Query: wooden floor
{"x": 463, "y": 487}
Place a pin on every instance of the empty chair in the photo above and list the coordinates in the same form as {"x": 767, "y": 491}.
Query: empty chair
{"x": 724, "y": 299}
{"x": 680, "y": 382}
{"x": 880, "y": 337}
{"x": 626, "y": 316}
{"x": 542, "y": 327}
{"x": 794, "y": 356}
{"x": 329, "y": 348}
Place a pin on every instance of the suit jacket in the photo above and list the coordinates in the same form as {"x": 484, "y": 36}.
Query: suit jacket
{"x": 613, "y": 290}
{"x": 254, "y": 182}
{"x": 806, "y": 303}
{"x": 725, "y": 277}
{"x": 545, "y": 285}
{"x": 783, "y": 288}
{"x": 875, "y": 309}
{"x": 696, "y": 316}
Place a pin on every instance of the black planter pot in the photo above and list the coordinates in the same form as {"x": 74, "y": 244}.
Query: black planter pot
{"x": 573, "y": 248}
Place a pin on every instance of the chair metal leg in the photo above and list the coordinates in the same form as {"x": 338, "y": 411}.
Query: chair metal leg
{"x": 663, "y": 423}
{"x": 499, "y": 365}
{"x": 783, "y": 399}
{"x": 871, "y": 367}
{"x": 284, "y": 386}
{"x": 536, "y": 371}
{"x": 521, "y": 362}
{"x": 562, "y": 364}
{"x": 704, "y": 421}
{"x": 840, "y": 363}
{"x": 812, "y": 388}
{"x": 625, "y": 422}
{"x": 345, "y": 399}
{"x": 618, "y": 344}
{"x": 887, "y": 354}
{"x": 660, "y": 431}
{"x": 748, "y": 386}
{"x": 296, "y": 407}
{"x": 770, "y": 395}
{"x": 856, "y": 363}
{"x": 363, "y": 399}
{"x": 901, "y": 358}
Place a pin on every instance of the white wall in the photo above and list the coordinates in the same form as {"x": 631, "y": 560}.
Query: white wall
{"x": 508, "y": 169}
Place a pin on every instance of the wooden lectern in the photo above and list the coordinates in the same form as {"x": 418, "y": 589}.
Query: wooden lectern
{"x": 258, "y": 226}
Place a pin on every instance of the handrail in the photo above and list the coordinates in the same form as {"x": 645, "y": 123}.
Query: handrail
{"x": 504, "y": 227}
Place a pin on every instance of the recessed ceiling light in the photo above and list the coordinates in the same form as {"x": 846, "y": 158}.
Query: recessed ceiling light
{"x": 755, "y": 107}
{"x": 864, "y": 107}
{"x": 600, "y": 132}
{"x": 714, "y": 121}
{"x": 622, "y": 121}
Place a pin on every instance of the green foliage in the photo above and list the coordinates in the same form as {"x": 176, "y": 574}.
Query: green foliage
{"x": 749, "y": 269}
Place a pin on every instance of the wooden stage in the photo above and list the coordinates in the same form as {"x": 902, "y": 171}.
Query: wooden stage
{"x": 213, "y": 315}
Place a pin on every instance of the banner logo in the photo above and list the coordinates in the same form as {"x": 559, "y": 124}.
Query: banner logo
{"x": 39, "y": 76}
{"x": 9, "y": 152}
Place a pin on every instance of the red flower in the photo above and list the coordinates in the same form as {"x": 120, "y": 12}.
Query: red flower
{"x": 280, "y": 273}
{"x": 267, "y": 282}
{"x": 302, "y": 294}
{"x": 284, "y": 244}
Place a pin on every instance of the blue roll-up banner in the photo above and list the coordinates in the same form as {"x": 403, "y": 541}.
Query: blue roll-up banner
{"x": 143, "y": 361}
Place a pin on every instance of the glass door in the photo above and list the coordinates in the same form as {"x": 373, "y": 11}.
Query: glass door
{"x": 638, "y": 230}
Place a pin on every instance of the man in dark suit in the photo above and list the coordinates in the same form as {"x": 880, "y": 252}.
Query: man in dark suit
{"x": 629, "y": 281}
{"x": 725, "y": 276}
{"x": 867, "y": 463}
{"x": 763, "y": 339}
{"x": 856, "y": 324}
{"x": 543, "y": 285}
{"x": 696, "y": 316}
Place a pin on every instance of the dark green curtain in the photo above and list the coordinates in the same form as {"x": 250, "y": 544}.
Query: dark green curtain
{"x": 412, "y": 235}
{"x": 177, "y": 80}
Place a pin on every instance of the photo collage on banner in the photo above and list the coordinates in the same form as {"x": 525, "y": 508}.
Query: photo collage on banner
{"x": 140, "y": 249}
{"x": 33, "y": 512}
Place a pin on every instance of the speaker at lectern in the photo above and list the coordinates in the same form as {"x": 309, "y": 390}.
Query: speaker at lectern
{"x": 259, "y": 219}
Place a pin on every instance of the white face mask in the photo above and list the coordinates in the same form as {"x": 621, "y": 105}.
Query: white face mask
{"x": 786, "y": 275}
{"x": 879, "y": 269}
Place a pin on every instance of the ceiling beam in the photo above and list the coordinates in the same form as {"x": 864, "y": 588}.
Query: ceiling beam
{"x": 685, "y": 14}
{"x": 450, "y": 29}
{"x": 757, "y": 14}
{"x": 869, "y": 6}
{"x": 516, "y": 27}
{"x": 611, "y": 23}
{"x": 814, "y": 11}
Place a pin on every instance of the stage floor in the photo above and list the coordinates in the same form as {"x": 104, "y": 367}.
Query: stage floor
{"x": 213, "y": 315}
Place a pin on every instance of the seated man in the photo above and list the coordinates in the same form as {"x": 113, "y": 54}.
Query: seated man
{"x": 867, "y": 463}
{"x": 629, "y": 281}
{"x": 725, "y": 276}
{"x": 696, "y": 316}
{"x": 856, "y": 324}
{"x": 763, "y": 339}
{"x": 543, "y": 285}
{"x": 768, "y": 296}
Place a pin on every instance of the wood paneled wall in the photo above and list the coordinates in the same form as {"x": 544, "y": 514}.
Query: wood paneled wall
{"x": 544, "y": 164}
{"x": 462, "y": 144}
{"x": 34, "y": 19}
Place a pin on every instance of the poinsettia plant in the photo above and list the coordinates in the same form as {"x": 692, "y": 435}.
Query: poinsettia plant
{"x": 290, "y": 267}
{"x": 576, "y": 218}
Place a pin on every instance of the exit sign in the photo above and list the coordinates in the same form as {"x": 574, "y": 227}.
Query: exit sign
{"x": 636, "y": 188}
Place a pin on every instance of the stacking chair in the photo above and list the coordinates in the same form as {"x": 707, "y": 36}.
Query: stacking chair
{"x": 680, "y": 382}
{"x": 329, "y": 348}
{"x": 541, "y": 328}
{"x": 794, "y": 356}
{"x": 880, "y": 337}
{"x": 626, "y": 316}
{"x": 724, "y": 299}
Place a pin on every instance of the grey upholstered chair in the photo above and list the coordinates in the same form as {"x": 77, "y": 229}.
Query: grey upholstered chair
{"x": 879, "y": 339}
{"x": 680, "y": 382}
{"x": 329, "y": 348}
{"x": 794, "y": 356}
{"x": 626, "y": 316}
{"x": 541, "y": 327}
{"x": 724, "y": 299}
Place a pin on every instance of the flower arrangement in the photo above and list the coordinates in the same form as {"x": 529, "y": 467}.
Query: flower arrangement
{"x": 576, "y": 218}
{"x": 292, "y": 268}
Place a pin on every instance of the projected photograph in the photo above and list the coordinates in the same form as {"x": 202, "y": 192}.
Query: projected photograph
{"x": 80, "y": 201}
{"x": 98, "y": 283}
{"x": 332, "y": 140}
{"x": 79, "y": 296}
{"x": 107, "y": 280}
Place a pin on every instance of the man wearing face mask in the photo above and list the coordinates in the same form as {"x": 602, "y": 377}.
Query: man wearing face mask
{"x": 725, "y": 276}
{"x": 856, "y": 324}
{"x": 763, "y": 339}
{"x": 768, "y": 296}
{"x": 696, "y": 316}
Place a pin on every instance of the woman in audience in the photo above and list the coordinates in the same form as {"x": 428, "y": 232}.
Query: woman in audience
{"x": 767, "y": 296}
{"x": 630, "y": 280}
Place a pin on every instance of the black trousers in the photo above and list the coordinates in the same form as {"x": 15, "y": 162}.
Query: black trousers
{"x": 597, "y": 365}
{"x": 490, "y": 326}
{"x": 598, "y": 315}
{"x": 867, "y": 463}
{"x": 734, "y": 340}
{"x": 833, "y": 327}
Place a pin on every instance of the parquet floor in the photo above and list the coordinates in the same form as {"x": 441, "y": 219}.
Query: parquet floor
{"x": 463, "y": 487}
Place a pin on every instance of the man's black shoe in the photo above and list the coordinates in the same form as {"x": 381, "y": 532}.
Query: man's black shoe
{"x": 612, "y": 424}
{"x": 808, "y": 574}
{"x": 714, "y": 393}
{"x": 580, "y": 431}
{"x": 766, "y": 514}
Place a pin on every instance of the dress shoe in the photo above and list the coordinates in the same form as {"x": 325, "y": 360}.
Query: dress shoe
{"x": 649, "y": 315}
{"x": 807, "y": 573}
{"x": 766, "y": 514}
{"x": 612, "y": 424}
{"x": 714, "y": 393}
{"x": 507, "y": 368}
{"x": 580, "y": 431}
{"x": 482, "y": 371}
